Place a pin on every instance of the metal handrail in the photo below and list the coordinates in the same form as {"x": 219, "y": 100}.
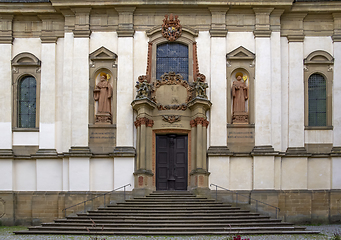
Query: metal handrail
{"x": 103, "y": 194}
{"x": 257, "y": 201}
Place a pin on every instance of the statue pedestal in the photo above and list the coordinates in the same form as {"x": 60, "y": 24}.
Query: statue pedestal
{"x": 103, "y": 118}
{"x": 240, "y": 117}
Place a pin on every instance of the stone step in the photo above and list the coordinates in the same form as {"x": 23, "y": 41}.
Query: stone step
{"x": 169, "y": 214}
{"x": 163, "y": 208}
{"x": 182, "y": 200}
{"x": 168, "y": 204}
{"x": 166, "y": 233}
{"x": 166, "y": 211}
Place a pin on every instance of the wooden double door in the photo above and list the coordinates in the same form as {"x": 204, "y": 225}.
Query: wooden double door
{"x": 171, "y": 162}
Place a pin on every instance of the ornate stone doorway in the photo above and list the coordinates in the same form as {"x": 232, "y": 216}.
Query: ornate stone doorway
{"x": 171, "y": 162}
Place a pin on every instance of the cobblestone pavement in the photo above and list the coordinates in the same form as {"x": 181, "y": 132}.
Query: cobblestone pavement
{"x": 327, "y": 231}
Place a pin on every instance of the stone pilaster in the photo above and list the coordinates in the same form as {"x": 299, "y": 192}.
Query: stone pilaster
{"x": 125, "y": 21}
{"x": 218, "y": 25}
{"x": 263, "y": 90}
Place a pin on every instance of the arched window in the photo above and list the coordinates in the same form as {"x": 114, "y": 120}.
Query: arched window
{"x": 27, "y": 102}
{"x": 317, "y": 100}
{"x": 172, "y": 57}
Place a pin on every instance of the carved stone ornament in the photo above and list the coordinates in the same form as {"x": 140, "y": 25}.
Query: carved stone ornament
{"x": 171, "y": 118}
{"x": 171, "y": 28}
{"x": 172, "y": 78}
{"x": 200, "y": 86}
{"x": 143, "y": 88}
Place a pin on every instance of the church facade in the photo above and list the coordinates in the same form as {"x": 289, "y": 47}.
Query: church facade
{"x": 168, "y": 95}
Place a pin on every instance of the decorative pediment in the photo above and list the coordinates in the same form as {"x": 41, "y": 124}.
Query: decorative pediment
{"x": 319, "y": 57}
{"x": 25, "y": 59}
{"x": 102, "y": 54}
{"x": 240, "y": 53}
{"x": 185, "y": 30}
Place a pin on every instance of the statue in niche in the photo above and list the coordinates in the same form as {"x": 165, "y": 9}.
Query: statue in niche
{"x": 239, "y": 97}
{"x": 103, "y": 94}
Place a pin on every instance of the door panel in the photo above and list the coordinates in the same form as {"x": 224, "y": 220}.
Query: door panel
{"x": 171, "y": 162}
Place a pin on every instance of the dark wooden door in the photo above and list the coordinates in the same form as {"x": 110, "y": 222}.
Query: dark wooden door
{"x": 171, "y": 162}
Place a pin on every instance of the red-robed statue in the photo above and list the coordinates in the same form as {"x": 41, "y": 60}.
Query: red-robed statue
{"x": 103, "y": 94}
{"x": 239, "y": 96}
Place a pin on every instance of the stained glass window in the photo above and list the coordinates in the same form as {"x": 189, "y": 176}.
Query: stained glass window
{"x": 172, "y": 57}
{"x": 27, "y": 103}
{"x": 317, "y": 100}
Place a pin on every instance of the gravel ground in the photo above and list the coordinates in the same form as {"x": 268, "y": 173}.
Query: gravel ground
{"x": 327, "y": 231}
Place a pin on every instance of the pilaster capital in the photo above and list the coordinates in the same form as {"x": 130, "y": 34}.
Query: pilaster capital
{"x": 125, "y": 21}
{"x": 262, "y": 27}
{"x": 6, "y": 33}
{"x": 82, "y": 22}
{"x": 218, "y": 25}
{"x": 295, "y": 38}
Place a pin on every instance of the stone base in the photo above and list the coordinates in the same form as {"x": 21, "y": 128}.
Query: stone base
{"x": 143, "y": 179}
{"x": 103, "y": 118}
{"x": 199, "y": 178}
{"x": 240, "y": 118}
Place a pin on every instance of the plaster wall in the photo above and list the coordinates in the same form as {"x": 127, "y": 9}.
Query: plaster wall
{"x": 241, "y": 173}
{"x": 285, "y": 93}
{"x": 59, "y": 95}
{"x": 49, "y": 174}
{"x": 6, "y": 176}
{"x": 108, "y": 40}
{"x": 296, "y": 95}
{"x": 67, "y": 91}
{"x": 312, "y": 44}
{"x": 65, "y": 163}
{"x": 319, "y": 173}
{"x": 276, "y": 91}
{"x": 140, "y": 56}
{"x": 335, "y": 170}
{"x": 237, "y": 39}
{"x": 31, "y": 45}
{"x": 5, "y": 96}
{"x": 80, "y": 92}
{"x": 318, "y": 136}
{"x": 25, "y": 138}
{"x": 337, "y": 95}
{"x": 218, "y": 118}
{"x": 263, "y": 172}
{"x": 24, "y": 175}
{"x": 278, "y": 173}
{"x": 125, "y": 92}
{"x": 219, "y": 167}
{"x": 294, "y": 173}
{"x": 79, "y": 174}
{"x": 263, "y": 99}
{"x": 101, "y": 174}
{"x": 123, "y": 172}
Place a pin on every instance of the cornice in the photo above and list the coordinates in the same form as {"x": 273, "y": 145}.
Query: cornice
{"x": 26, "y": 8}
{"x": 314, "y": 7}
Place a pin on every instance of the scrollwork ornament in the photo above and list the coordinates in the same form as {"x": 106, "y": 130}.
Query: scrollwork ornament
{"x": 171, "y": 28}
{"x": 171, "y": 118}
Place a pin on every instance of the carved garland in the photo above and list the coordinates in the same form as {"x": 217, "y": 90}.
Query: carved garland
{"x": 144, "y": 121}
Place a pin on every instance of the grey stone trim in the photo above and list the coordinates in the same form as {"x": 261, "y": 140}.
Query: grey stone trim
{"x": 79, "y": 152}
{"x": 214, "y": 151}
{"x": 267, "y": 150}
{"x": 45, "y": 153}
{"x": 124, "y": 152}
{"x": 81, "y": 33}
{"x": 144, "y": 171}
{"x": 295, "y": 38}
{"x": 296, "y": 152}
{"x": 218, "y": 32}
{"x": 48, "y": 39}
{"x": 6, "y": 153}
{"x": 125, "y": 32}
{"x": 262, "y": 33}
{"x": 200, "y": 171}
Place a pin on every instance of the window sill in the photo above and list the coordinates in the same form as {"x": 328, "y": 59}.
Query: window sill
{"x": 318, "y": 128}
{"x": 25, "y": 130}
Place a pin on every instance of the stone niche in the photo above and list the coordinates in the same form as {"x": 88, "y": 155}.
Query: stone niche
{"x": 102, "y": 127}
{"x": 240, "y": 134}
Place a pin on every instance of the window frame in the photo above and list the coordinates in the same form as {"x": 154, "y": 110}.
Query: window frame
{"x": 20, "y": 82}
{"x": 24, "y": 65}
{"x": 319, "y": 62}
{"x": 187, "y": 38}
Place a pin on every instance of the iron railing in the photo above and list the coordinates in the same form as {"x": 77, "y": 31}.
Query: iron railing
{"x": 103, "y": 194}
{"x": 250, "y": 199}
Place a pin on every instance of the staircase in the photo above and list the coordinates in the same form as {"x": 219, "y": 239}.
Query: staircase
{"x": 167, "y": 213}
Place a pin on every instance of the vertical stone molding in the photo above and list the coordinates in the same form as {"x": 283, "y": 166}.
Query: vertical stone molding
{"x": 125, "y": 21}
{"x": 337, "y": 94}
{"x": 218, "y": 25}
{"x": 337, "y": 27}
{"x": 6, "y": 32}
